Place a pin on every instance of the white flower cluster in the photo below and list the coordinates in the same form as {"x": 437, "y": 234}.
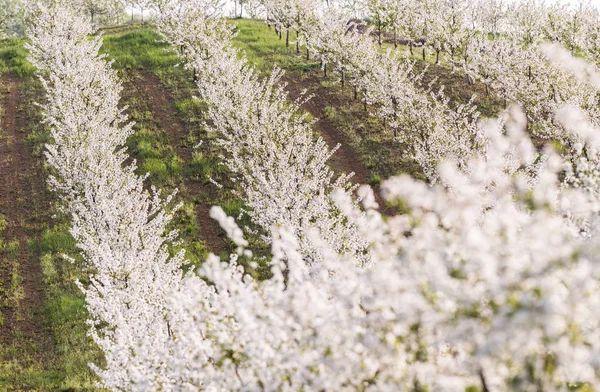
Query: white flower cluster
{"x": 485, "y": 285}
{"x": 542, "y": 80}
{"x": 118, "y": 225}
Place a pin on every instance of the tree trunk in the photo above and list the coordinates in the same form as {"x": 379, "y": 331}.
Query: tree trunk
{"x": 343, "y": 79}
{"x": 307, "y": 52}
{"x": 355, "y": 93}
{"x": 379, "y": 32}
{"x": 483, "y": 382}
{"x": 410, "y": 46}
{"x": 423, "y": 53}
{"x": 131, "y": 13}
{"x": 297, "y": 43}
{"x": 241, "y": 8}
{"x": 395, "y": 39}
{"x": 325, "y": 70}
{"x": 437, "y": 57}
{"x": 287, "y": 37}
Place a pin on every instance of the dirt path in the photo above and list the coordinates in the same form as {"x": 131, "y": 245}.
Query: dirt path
{"x": 23, "y": 205}
{"x": 345, "y": 159}
{"x": 152, "y": 92}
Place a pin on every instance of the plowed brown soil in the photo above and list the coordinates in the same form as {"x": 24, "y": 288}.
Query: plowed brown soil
{"x": 345, "y": 159}
{"x": 23, "y": 202}
{"x": 151, "y": 91}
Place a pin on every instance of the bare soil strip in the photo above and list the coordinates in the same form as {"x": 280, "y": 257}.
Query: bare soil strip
{"x": 345, "y": 159}
{"x": 153, "y": 93}
{"x": 23, "y": 203}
